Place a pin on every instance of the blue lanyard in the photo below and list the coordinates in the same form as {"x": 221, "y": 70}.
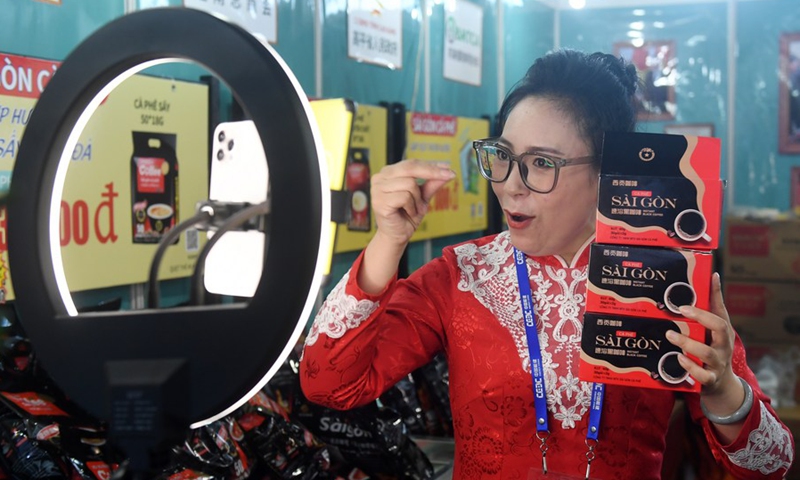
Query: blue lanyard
{"x": 537, "y": 369}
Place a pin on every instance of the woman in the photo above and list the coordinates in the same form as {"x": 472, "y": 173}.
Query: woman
{"x": 374, "y": 329}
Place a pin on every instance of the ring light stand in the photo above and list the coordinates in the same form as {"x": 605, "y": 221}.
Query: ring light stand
{"x": 152, "y": 373}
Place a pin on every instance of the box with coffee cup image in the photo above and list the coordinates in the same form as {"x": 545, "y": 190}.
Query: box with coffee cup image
{"x": 635, "y": 352}
{"x": 660, "y": 190}
{"x": 154, "y": 186}
{"x": 647, "y": 281}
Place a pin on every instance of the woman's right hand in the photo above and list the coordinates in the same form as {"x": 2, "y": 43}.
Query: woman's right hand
{"x": 400, "y": 195}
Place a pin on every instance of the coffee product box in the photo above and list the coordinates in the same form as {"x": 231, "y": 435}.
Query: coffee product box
{"x": 635, "y": 352}
{"x": 660, "y": 190}
{"x": 646, "y": 281}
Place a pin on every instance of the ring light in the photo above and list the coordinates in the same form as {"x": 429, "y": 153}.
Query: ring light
{"x": 229, "y": 351}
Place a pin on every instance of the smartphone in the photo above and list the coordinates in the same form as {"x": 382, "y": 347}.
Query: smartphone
{"x": 239, "y": 173}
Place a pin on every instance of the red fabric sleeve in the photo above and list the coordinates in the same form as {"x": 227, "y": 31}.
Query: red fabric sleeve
{"x": 360, "y": 345}
{"x": 765, "y": 447}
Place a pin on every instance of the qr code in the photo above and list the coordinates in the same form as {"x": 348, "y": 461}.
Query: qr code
{"x": 192, "y": 240}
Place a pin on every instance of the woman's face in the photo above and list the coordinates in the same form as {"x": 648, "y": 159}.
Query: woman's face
{"x": 559, "y": 222}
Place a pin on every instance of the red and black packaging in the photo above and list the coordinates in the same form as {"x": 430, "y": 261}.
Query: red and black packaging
{"x": 635, "y": 352}
{"x": 55, "y": 436}
{"x": 154, "y": 186}
{"x": 357, "y": 183}
{"x": 219, "y": 448}
{"x": 660, "y": 190}
{"x": 647, "y": 282}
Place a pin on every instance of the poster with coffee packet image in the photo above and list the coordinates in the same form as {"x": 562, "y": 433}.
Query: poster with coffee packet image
{"x": 357, "y": 178}
{"x": 660, "y": 190}
{"x": 635, "y": 352}
{"x": 646, "y": 281}
{"x": 154, "y": 186}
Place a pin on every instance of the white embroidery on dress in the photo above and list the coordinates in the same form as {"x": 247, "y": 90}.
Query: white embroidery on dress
{"x": 488, "y": 272}
{"x": 340, "y": 312}
{"x": 768, "y": 449}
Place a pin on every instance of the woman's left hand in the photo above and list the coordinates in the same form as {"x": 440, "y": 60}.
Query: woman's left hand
{"x": 716, "y": 374}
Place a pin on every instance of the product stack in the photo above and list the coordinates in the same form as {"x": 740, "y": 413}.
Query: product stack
{"x": 761, "y": 262}
{"x": 761, "y": 285}
{"x": 658, "y": 221}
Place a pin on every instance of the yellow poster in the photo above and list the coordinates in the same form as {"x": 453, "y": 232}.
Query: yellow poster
{"x": 14, "y": 115}
{"x": 335, "y": 122}
{"x": 139, "y": 168}
{"x": 25, "y": 79}
{"x": 461, "y": 205}
{"x": 367, "y": 156}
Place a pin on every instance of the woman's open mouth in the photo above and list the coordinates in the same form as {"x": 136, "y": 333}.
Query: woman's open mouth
{"x": 517, "y": 220}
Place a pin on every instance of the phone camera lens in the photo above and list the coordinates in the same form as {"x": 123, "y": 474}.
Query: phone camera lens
{"x": 221, "y": 136}
{"x": 230, "y": 145}
{"x": 220, "y": 154}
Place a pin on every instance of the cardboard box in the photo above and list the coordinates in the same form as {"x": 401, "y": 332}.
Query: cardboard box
{"x": 761, "y": 250}
{"x": 660, "y": 190}
{"x": 764, "y": 311}
{"x": 635, "y": 352}
{"x": 647, "y": 282}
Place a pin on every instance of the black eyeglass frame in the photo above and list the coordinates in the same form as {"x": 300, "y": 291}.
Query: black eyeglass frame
{"x": 557, "y": 162}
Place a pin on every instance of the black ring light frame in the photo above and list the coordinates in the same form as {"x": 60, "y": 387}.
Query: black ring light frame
{"x": 230, "y": 350}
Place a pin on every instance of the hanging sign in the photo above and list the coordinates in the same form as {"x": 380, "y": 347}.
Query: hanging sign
{"x": 259, "y": 17}
{"x": 463, "y": 41}
{"x": 375, "y": 32}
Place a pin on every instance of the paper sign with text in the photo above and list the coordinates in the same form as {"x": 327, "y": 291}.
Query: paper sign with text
{"x": 259, "y": 17}
{"x": 463, "y": 41}
{"x": 375, "y": 32}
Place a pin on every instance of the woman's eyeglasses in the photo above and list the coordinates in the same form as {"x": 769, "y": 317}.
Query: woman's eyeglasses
{"x": 539, "y": 171}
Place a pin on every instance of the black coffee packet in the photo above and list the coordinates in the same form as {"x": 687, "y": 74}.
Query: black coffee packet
{"x": 635, "y": 352}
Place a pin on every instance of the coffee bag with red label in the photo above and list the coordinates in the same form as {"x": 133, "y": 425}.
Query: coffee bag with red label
{"x": 154, "y": 186}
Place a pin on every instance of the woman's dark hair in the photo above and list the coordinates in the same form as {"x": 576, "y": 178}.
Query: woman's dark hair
{"x": 596, "y": 90}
